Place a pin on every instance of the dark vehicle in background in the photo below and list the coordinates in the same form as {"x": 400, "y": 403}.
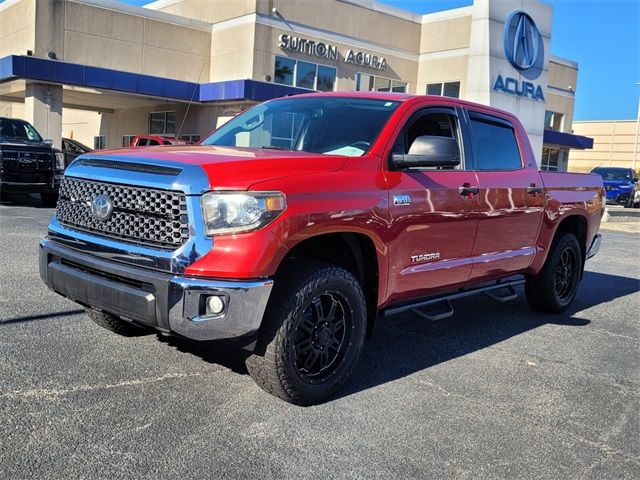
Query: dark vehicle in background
{"x": 72, "y": 148}
{"x": 28, "y": 164}
{"x": 621, "y": 184}
{"x": 154, "y": 140}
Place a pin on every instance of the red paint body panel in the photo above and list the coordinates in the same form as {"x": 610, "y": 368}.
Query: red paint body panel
{"x": 501, "y": 231}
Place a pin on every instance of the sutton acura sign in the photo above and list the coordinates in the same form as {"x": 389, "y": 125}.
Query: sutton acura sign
{"x": 524, "y": 48}
{"x": 330, "y": 52}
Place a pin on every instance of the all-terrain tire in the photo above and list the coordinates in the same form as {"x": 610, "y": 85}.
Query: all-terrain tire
{"x": 115, "y": 324}
{"x": 553, "y": 289}
{"x": 304, "y": 296}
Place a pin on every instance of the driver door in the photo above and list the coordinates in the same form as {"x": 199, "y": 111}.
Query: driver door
{"x": 434, "y": 212}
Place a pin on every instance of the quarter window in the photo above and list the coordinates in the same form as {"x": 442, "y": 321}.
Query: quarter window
{"x": 495, "y": 144}
{"x": 162, "y": 123}
{"x": 297, "y": 73}
{"x": 126, "y": 140}
{"x": 445, "y": 89}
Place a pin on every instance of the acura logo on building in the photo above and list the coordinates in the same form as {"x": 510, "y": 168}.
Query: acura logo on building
{"x": 523, "y": 44}
{"x": 101, "y": 207}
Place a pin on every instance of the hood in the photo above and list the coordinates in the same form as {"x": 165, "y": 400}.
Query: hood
{"x": 230, "y": 167}
{"x": 617, "y": 183}
{"x": 9, "y": 142}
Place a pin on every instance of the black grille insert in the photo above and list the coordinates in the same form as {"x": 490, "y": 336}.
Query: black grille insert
{"x": 140, "y": 215}
{"x": 130, "y": 166}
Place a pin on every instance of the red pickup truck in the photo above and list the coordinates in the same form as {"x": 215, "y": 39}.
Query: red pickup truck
{"x": 299, "y": 224}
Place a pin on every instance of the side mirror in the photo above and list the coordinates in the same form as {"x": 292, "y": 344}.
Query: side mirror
{"x": 428, "y": 151}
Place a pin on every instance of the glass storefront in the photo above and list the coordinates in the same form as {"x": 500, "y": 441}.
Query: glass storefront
{"x": 297, "y": 73}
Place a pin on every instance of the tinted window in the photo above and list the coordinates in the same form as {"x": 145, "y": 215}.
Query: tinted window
{"x": 495, "y": 145}
{"x": 18, "y": 130}
{"x": 326, "y": 78}
{"x": 613, "y": 173}
{"x": 340, "y": 126}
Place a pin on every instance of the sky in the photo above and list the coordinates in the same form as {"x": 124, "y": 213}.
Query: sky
{"x": 603, "y": 36}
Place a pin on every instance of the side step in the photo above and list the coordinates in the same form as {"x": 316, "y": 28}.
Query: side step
{"x": 439, "y": 307}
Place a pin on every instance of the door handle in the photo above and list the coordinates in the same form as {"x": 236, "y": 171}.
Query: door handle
{"x": 468, "y": 191}
{"x": 533, "y": 190}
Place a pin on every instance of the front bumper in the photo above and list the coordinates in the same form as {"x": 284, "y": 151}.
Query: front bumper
{"x": 170, "y": 303}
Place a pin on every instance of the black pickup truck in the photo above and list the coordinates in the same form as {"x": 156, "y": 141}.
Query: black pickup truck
{"x": 28, "y": 163}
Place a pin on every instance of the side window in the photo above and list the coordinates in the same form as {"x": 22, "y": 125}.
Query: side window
{"x": 494, "y": 144}
{"x": 437, "y": 124}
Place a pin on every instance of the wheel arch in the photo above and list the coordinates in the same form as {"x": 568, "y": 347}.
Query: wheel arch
{"x": 355, "y": 252}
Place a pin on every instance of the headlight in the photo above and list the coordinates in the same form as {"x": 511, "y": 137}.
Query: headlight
{"x": 240, "y": 212}
{"x": 60, "y": 161}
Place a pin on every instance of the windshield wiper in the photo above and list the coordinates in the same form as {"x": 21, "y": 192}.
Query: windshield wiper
{"x": 274, "y": 147}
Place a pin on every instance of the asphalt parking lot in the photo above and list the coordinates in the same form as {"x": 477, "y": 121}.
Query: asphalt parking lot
{"x": 499, "y": 391}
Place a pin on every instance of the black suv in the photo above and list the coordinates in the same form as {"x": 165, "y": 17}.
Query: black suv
{"x": 27, "y": 162}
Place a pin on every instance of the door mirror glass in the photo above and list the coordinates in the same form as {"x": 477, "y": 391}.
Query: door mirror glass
{"x": 429, "y": 151}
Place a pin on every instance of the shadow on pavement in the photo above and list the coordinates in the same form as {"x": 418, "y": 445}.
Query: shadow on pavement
{"x": 406, "y": 344}
{"x": 44, "y": 316}
{"x": 22, "y": 200}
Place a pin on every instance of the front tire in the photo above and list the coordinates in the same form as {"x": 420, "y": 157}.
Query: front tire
{"x": 115, "y": 324}
{"x": 553, "y": 289}
{"x": 312, "y": 334}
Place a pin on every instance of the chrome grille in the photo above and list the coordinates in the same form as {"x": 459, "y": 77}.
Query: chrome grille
{"x": 140, "y": 215}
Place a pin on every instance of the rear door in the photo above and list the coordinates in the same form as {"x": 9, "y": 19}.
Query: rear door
{"x": 434, "y": 214}
{"x": 511, "y": 197}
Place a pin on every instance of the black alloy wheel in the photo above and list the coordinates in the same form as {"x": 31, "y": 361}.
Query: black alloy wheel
{"x": 321, "y": 336}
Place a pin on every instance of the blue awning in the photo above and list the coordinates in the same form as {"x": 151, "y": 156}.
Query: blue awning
{"x": 570, "y": 140}
{"x": 15, "y": 67}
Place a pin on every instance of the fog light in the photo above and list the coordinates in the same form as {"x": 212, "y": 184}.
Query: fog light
{"x": 215, "y": 305}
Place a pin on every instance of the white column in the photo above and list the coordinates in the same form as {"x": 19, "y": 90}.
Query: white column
{"x": 43, "y": 109}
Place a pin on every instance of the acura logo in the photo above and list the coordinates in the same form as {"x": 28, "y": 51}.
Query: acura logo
{"x": 523, "y": 42}
{"x": 101, "y": 207}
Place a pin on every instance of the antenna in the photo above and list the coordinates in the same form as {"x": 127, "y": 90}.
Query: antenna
{"x": 186, "y": 112}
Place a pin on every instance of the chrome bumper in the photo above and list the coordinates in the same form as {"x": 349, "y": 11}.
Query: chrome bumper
{"x": 167, "y": 302}
{"x": 595, "y": 246}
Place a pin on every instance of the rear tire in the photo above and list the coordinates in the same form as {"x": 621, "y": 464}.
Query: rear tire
{"x": 553, "y": 289}
{"x": 115, "y": 324}
{"x": 49, "y": 199}
{"x": 312, "y": 333}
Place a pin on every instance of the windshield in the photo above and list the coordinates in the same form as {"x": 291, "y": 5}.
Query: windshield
{"x": 613, "y": 173}
{"x": 18, "y": 130}
{"x": 329, "y": 125}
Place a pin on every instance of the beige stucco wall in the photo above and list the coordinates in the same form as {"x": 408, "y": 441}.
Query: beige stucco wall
{"x": 17, "y": 27}
{"x": 613, "y": 145}
{"x": 207, "y": 10}
{"x": 104, "y": 37}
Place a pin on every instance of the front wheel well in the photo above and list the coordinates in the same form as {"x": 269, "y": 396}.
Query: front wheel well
{"x": 355, "y": 252}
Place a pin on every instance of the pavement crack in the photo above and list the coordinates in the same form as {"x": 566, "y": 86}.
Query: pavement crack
{"x": 58, "y": 392}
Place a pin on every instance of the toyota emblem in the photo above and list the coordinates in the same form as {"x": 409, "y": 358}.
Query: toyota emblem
{"x": 101, "y": 207}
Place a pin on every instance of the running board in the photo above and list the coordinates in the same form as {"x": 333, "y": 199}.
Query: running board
{"x": 439, "y": 307}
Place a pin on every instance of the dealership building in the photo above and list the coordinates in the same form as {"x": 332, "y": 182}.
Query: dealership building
{"x": 101, "y": 71}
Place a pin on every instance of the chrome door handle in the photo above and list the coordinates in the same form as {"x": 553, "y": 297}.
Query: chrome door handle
{"x": 468, "y": 190}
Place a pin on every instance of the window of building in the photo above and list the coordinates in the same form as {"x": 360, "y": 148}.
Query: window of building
{"x": 190, "y": 137}
{"x": 445, "y": 89}
{"x": 550, "y": 159}
{"x": 297, "y": 73}
{"x": 553, "y": 121}
{"x": 162, "y": 123}
{"x": 126, "y": 140}
{"x": 99, "y": 142}
{"x": 494, "y": 144}
{"x": 372, "y": 83}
